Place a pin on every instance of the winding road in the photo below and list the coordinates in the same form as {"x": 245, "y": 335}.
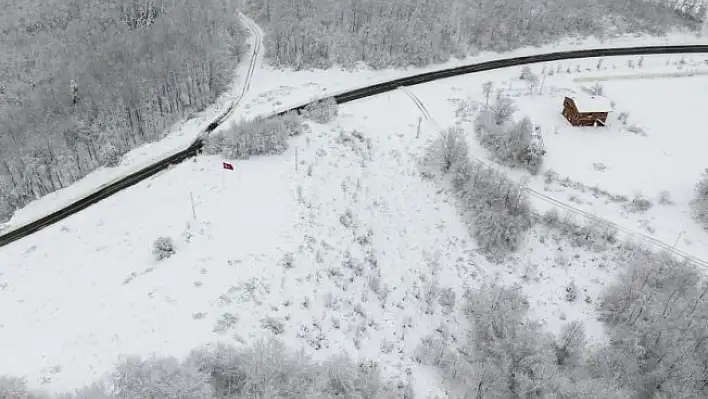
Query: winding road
{"x": 353, "y": 95}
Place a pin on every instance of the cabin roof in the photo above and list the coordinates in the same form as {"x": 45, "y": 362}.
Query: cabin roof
{"x": 587, "y": 103}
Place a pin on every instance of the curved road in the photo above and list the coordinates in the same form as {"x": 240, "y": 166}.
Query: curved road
{"x": 352, "y": 95}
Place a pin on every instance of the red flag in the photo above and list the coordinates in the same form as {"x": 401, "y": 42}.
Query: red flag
{"x": 227, "y": 166}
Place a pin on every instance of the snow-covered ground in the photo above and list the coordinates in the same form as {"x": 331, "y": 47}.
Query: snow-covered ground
{"x": 666, "y": 156}
{"x": 272, "y": 89}
{"x": 373, "y": 246}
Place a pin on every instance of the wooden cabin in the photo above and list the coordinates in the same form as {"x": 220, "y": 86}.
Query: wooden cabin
{"x": 581, "y": 110}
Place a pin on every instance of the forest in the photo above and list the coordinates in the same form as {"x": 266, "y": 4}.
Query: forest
{"x": 82, "y": 82}
{"x": 321, "y": 33}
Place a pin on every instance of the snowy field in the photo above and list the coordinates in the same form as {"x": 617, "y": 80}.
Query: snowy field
{"x": 347, "y": 249}
{"x": 268, "y": 90}
{"x": 657, "y": 150}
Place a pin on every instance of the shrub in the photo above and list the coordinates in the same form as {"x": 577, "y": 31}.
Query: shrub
{"x": 512, "y": 144}
{"x": 597, "y": 90}
{"x": 638, "y": 204}
{"x": 447, "y": 151}
{"x": 321, "y": 111}
{"x": 256, "y": 137}
{"x": 501, "y": 110}
{"x": 163, "y": 248}
{"x": 275, "y": 326}
{"x": 551, "y": 218}
{"x": 159, "y": 378}
{"x": 699, "y": 205}
{"x": 665, "y": 198}
{"x": 110, "y": 156}
{"x": 14, "y": 388}
{"x": 498, "y": 211}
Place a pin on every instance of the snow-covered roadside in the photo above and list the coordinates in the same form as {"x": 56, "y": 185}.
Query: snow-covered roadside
{"x": 276, "y": 89}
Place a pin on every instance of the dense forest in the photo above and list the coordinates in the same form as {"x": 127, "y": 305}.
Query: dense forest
{"x": 82, "y": 82}
{"x": 320, "y": 33}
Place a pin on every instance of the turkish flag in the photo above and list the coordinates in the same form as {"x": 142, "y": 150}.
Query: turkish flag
{"x": 227, "y": 166}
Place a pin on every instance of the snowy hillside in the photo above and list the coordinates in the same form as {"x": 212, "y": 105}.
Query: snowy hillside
{"x": 338, "y": 244}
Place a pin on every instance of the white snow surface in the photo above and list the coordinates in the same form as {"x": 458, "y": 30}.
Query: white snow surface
{"x": 273, "y": 89}
{"x": 79, "y": 294}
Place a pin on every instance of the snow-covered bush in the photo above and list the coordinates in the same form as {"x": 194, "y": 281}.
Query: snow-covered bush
{"x": 447, "y": 151}
{"x": 163, "y": 248}
{"x": 15, "y": 388}
{"x": 699, "y": 204}
{"x": 256, "y": 137}
{"x": 273, "y": 325}
{"x": 636, "y": 129}
{"x": 527, "y": 74}
{"x": 497, "y": 210}
{"x": 551, "y": 217}
{"x": 571, "y": 292}
{"x": 6, "y": 207}
{"x": 639, "y": 204}
{"x": 321, "y": 111}
{"x": 162, "y": 377}
{"x": 597, "y": 90}
{"x": 110, "y": 156}
{"x": 664, "y": 198}
{"x": 501, "y": 109}
{"x": 513, "y": 144}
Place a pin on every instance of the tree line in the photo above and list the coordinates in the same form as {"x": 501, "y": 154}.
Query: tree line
{"x": 320, "y": 33}
{"x": 81, "y": 82}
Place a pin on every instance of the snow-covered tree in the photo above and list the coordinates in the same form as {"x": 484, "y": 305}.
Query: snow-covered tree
{"x": 699, "y": 204}
{"x": 657, "y": 320}
{"x": 259, "y": 136}
{"x": 502, "y": 108}
{"x": 322, "y": 111}
{"x": 513, "y": 144}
